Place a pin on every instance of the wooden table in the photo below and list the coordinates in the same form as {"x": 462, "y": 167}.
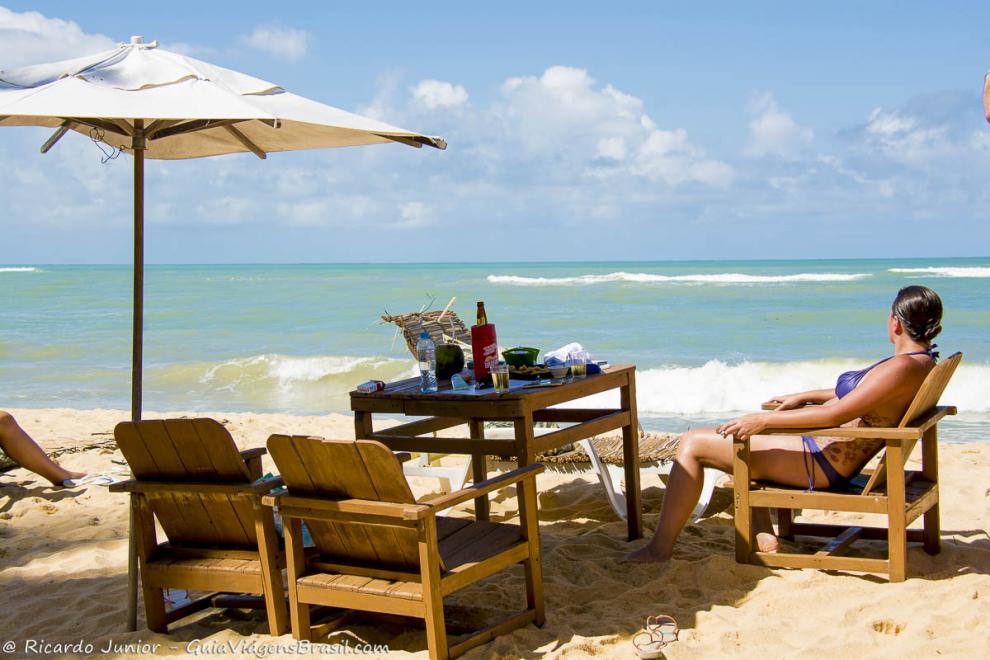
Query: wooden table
{"x": 523, "y": 407}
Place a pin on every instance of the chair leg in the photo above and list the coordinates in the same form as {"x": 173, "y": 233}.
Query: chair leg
{"x": 154, "y": 608}
{"x": 429, "y": 562}
{"x": 295, "y": 563}
{"x": 532, "y": 567}
{"x": 743, "y": 513}
{"x": 711, "y": 476}
{"x": 932, "y": 533}
{"x": 896, "y": 515}
{"x": 271, "y": 574}
{"x": 929, "y": 468}
{"x": 604, "y": 473}
{"x": 784, "y": 519}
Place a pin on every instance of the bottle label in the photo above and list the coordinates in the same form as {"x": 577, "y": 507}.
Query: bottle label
{"x": 484, "y": 350}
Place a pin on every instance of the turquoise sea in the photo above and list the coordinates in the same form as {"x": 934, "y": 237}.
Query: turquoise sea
{"x": 709, "y": 338}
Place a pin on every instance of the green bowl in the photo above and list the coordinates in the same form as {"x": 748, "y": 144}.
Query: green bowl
{"x": 521, "y": 356}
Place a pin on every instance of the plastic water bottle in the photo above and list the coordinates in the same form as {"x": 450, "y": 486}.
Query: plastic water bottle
{"x": 427, "y": 354}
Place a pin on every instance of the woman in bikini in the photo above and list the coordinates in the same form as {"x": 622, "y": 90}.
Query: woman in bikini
{"x": 875, "y": 396}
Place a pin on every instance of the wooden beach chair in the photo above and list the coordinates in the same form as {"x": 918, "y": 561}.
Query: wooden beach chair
{"x": 890, "y": 490}
{"x": 445, "y": 326}
{"x": 379, "y": 550}
{"x": 207, "y": 498}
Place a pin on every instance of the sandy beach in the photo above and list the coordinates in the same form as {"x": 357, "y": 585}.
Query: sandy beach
{"x": 63, "y": 571}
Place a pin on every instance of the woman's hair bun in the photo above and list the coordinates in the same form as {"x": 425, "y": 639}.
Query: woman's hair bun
{"x": 919, "y": 310}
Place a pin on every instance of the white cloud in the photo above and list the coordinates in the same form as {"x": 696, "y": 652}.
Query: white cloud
{"x": 773, "y": 132}
{"x": 565, "y": 119}
{"x": 279, "y": 40}
{"x": 414, "y": 215}
{"x": 613, "y": 148}
{"x": 32, "y": 38}
{"x": 906, "y": 139}
{"x": 338, "y": 210}
{"x": 439, "y": 94}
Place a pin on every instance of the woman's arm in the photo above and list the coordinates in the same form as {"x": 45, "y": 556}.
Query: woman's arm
{"x": 891, "y": 379}
{"x": 790, "y": 401}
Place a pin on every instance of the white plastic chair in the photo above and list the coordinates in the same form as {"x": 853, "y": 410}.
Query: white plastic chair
{"x": 610, "y": 475}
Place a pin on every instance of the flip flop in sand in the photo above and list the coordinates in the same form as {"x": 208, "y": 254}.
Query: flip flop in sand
{"x": 90, "y": 480}
{"x": 660, "y": 630}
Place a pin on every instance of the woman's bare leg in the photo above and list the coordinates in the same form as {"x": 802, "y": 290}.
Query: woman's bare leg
{"x": 775, "y": 458}
{"x": 24, "y": 451}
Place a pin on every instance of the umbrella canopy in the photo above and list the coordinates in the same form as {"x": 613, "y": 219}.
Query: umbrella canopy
{"x": 190, "y": 108}
{"x": 162, "y": 105}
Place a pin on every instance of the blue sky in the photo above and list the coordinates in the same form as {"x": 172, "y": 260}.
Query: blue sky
{"x": 577, "y": 131}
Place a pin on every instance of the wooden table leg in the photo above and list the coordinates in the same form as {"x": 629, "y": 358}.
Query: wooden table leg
{"x": 523, "y": 427}
{"x": 630, "y": 459}
{"x": 362, "y": 425}
{"x": 479, "y": 469}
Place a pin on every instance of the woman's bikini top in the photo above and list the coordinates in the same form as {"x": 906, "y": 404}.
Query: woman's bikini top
{"x": 848, "y": 381}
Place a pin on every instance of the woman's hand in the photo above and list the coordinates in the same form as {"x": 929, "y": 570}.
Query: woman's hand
{"x": 744, "y": 427}
{"x": 785, "y": 402}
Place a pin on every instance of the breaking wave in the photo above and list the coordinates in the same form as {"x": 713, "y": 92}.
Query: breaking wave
{"x": 301, "y": 384}
{"x": 19, "y": 269}
{"x": 649, "y": 278}
{"x": 719, "y": 387}
{"x": 947, "y": 271}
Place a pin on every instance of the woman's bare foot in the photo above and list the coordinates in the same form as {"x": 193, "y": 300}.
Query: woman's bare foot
{"x": 63, "y": 475}
{"x": 646, "y": 555}
{"x": 767, "y": 542}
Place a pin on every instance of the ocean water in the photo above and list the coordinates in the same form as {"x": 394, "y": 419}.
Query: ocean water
{"x": 709, "y": 338}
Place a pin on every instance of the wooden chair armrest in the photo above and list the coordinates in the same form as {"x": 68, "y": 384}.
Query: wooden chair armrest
{"x": 297, "y": 506}
{"x": 258, "y": 487}
{"x": 252, "y": 458}
{"x": 893, "y": 436}
{"x": 772, "y": 406}
{"x": 484, "y": 487}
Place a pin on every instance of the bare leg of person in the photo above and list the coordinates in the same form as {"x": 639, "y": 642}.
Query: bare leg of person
{"x": 21, "y": 449}
{"x": 775, "y": 458}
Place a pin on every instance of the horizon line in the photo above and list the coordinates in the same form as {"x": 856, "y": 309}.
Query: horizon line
{"x": 483, "y": 263}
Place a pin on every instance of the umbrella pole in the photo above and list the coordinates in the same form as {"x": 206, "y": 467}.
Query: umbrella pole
{"x": 138, "y": 144}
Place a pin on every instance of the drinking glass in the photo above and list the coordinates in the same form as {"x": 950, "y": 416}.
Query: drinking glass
{"x": 579, "y": 364}
{"x": 500, "y": 377}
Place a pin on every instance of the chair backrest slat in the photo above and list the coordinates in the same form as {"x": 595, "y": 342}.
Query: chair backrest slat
{"x": 924, "y": 400}
{"x": 190, "y": 451}
{"x": 931, "y": 390}
{"x": 195, "y": 450}
{"x": 348, "y": 469}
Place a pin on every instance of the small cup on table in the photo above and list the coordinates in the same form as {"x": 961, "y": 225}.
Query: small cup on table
{"x": 500, "y": 377}
{"x": 578, "y": 363}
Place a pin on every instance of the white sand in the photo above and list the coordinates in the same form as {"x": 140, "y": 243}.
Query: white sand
{"x": 63, "y": 571}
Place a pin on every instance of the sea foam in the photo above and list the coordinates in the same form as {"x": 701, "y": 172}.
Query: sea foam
{"x": 20, "y": 269}
{"x": 289, "y": 370}
{"x": 718, "y": 387}
{"x": 650, "y": 278}
{"x": 946, "y": 271}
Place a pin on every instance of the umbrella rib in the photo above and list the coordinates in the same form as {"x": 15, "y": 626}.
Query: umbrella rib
{"x": 158, "y": 125}
{"x": 416, "y": 140}
{"x": 243, "y": 139}
{"x": 194, "y": 125}
{"x": 108, "y": 126}
{"x": 404, "y": 140}
{"x": 124, "y": 126}
{"x": 57, "y": 135}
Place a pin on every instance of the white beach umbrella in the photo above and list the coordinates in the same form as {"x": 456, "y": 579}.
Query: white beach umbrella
{"x": 168, "y": 106}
